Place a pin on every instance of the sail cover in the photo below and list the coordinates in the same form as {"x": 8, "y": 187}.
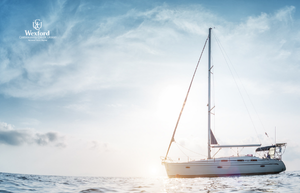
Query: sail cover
{"x": 212, "y": 138}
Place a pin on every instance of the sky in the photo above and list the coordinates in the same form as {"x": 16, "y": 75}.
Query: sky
{"x": 101, "y": 96}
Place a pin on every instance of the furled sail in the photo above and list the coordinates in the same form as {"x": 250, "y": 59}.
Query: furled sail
{"x": 212, "y": 138}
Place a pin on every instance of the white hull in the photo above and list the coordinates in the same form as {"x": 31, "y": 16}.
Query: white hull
{"x": 224, "y": 167}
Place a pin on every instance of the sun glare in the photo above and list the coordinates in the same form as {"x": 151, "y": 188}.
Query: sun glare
{"x": 153, "y": 171}
{"x": 169, "y": 100}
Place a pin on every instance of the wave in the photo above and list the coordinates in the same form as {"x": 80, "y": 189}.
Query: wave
{"x": 23, "y": 183}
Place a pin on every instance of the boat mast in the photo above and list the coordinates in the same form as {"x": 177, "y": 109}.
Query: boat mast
{"x": 209, "y": 73}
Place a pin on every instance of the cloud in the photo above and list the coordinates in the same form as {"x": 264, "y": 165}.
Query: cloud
{"x": 93, "y": 54}
{"x": 97, "y": 52}
{"x": 101, "y": 147}
{"x": 286, "y": 14}
{"x": 14, "y": 137}
{"x": 48, "y": 138}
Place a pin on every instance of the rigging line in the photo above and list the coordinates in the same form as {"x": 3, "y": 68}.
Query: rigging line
{"x": 237, "y": 86}
{"x": 264, "y": 129}
{"x": 216, "y": 152}
{"x": 187, "y": 94}
{"x": 240, "y": 94}
{"x": 235, "y": 152}
{"x": 190, "y": 150}
{"x": 181, "y": 150}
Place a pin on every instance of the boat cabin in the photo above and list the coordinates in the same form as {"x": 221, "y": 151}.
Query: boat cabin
{"x": 273, "y": 151}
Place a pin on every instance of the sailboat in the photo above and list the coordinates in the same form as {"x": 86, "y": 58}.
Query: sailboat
{"x": 270, "y": 163}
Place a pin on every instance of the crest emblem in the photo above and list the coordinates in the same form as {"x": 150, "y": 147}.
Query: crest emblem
{"x": 37, "y": 24}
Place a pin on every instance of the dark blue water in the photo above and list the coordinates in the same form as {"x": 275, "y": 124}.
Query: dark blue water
{"x": 283, "y": 182}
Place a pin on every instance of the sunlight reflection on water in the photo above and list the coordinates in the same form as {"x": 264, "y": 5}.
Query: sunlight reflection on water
{"x": 284, "y": 182}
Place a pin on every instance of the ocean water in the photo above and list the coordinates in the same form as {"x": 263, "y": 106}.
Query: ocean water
{"x": 283, "y": 182}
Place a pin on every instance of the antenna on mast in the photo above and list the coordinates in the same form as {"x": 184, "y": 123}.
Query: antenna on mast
{"x": 275, "y": 135}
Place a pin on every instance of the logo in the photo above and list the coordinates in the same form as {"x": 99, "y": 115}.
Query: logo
{"x": 37, "y": 24}
{"x": 32, "y": 35}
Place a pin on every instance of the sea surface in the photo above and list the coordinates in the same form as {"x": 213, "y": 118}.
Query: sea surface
{"x": 283, "y": 182}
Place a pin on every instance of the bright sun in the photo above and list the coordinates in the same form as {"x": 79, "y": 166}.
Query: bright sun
{"x": 171, "y": 96}
{"x": 153, "y": 171}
